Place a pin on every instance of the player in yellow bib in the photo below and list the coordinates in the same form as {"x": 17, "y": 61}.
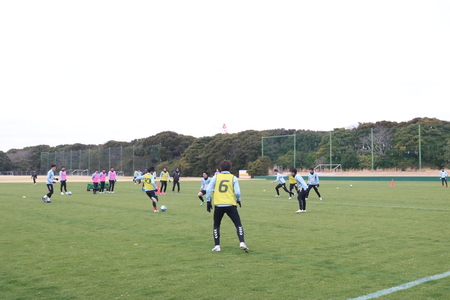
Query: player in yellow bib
{"x": 225, "y": 192}
{"x": 292, "y": 183}
{"x": 163, "y": 178}
{"x": 149, "y": 186}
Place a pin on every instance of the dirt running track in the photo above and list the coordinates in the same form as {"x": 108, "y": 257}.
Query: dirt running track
{"x": 431, "y": 173}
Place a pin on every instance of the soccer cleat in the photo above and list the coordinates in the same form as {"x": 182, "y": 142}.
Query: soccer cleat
{"x": 277, "y": 196}
{"x": 320, "y": 198}
{"x": 201, "y": 203}
{"x": 244, "y": 247}
{"x": 300, "y": 211}
{"x": 155, "y": 210}
{"x": 62, "y": 193}
{"x": 48, "y": 201}
{"x": 290, "y": 198}
{"x": 216, "y": 248}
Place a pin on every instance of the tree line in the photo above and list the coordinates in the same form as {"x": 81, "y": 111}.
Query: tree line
{"x": 419, "y": 143}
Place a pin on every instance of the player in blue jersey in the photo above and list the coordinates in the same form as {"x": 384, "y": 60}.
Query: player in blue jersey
{"x": 443, "y": 175}
{"x": 313, "y": 183}
{"x": 281, "y": 184}
{"x": 50, "y": 181}
{"x": 303, "y": 187}
{"x": 203, "y": 186}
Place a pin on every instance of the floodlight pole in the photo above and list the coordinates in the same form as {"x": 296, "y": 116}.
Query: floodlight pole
{"x": 371, "y": 131}
{"x": 420, "y": 150}
{"x": 331, "y": 151}
{"x": 295, "y": 148}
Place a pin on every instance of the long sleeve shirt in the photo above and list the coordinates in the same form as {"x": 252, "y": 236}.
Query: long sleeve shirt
{"x": 280, "y": 178}
{"x": 205, "y": 183}
{"x": 50, "y": 176}
{"x": 212, "y": 184}
{"x": 301, "y": 182}
{"x": 149, "y": 181}
{"x": 313, "y": 179}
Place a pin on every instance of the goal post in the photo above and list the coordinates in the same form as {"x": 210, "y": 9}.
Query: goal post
{"x": 270, "y": 146}
{"x": 329, "y": 168}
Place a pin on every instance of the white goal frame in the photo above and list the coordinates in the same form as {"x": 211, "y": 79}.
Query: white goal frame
{"x": 329, "y": 168}
{"x": 80, "y": 172}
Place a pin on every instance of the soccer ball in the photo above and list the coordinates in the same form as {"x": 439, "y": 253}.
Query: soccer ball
{"x": 69, "y": 193}
{"x": 163, "y": 208}
{"x": 351, "y": 185}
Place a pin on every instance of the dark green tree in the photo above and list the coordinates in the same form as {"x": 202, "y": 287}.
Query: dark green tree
{"x": 5, "y": 162}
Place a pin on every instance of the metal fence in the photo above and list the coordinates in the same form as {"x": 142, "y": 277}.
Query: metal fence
{"x": 81, "y": 162}
{"x": 15, "y": 173}
{"x": 411, "y": 147}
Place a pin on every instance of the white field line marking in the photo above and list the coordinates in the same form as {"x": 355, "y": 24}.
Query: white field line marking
{"x": 387, "y": 206}
{"x": 366, "y": 205}
{"x": 400, "y": 287}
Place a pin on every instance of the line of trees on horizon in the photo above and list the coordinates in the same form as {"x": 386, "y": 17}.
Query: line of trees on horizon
{"x": 419, "y": 143}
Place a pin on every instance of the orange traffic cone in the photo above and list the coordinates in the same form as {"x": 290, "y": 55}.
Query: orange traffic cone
{"x": 392, "y": 182}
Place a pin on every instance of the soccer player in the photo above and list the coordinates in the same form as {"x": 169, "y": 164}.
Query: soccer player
{"x": 292, "y": 183}
{"x": 112, "y": 177}
{"x": 95, "y": 179}
{"x": 282, "y": 184}
{"x": 150, "y": 186}
{"x": 102, "y": 176}
{"x": 135, "y": 175}
{"x": 163, "y": 178}
{"x": 224, "y": 190}
{"x": 63, "y": 180}
{"x": 443, "y": 176}
{"x": 34, "y": 176}
{"x": 50, "y": 180}
{"x": 176, "y": 179}
{"x": 302, "y": 193}
{"x": 203, "y": 186}
{"x": 313, "y": 183}
{"x": 139, "y": 173}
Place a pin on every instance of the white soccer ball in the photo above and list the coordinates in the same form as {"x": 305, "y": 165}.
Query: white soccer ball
{"x": 351, "y": 185}
{"x": 163, "y": 208}
{"x": 69, "y": 193}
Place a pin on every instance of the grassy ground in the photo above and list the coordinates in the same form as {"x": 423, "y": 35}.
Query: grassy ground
{"x": 357, "y": 241}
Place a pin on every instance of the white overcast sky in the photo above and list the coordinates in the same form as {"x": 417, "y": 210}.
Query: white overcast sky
{"x": 93, "y": 71}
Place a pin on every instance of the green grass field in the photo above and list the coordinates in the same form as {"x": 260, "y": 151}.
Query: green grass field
{"x": 356, "y": 241}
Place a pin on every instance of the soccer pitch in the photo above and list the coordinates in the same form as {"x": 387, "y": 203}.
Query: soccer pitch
{"x": 359, "y": 240}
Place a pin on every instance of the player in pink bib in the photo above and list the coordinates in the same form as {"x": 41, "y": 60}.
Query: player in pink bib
{"x": 63, "y": 180}
{"x": 112, "y": 180}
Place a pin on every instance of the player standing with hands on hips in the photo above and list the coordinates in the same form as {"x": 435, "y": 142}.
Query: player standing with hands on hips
{"x": 224, "y": 190}
{"x": 50, "y": 180}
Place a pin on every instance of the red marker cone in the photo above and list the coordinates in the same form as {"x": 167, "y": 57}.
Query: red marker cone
{"x": 392, "y": 182}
